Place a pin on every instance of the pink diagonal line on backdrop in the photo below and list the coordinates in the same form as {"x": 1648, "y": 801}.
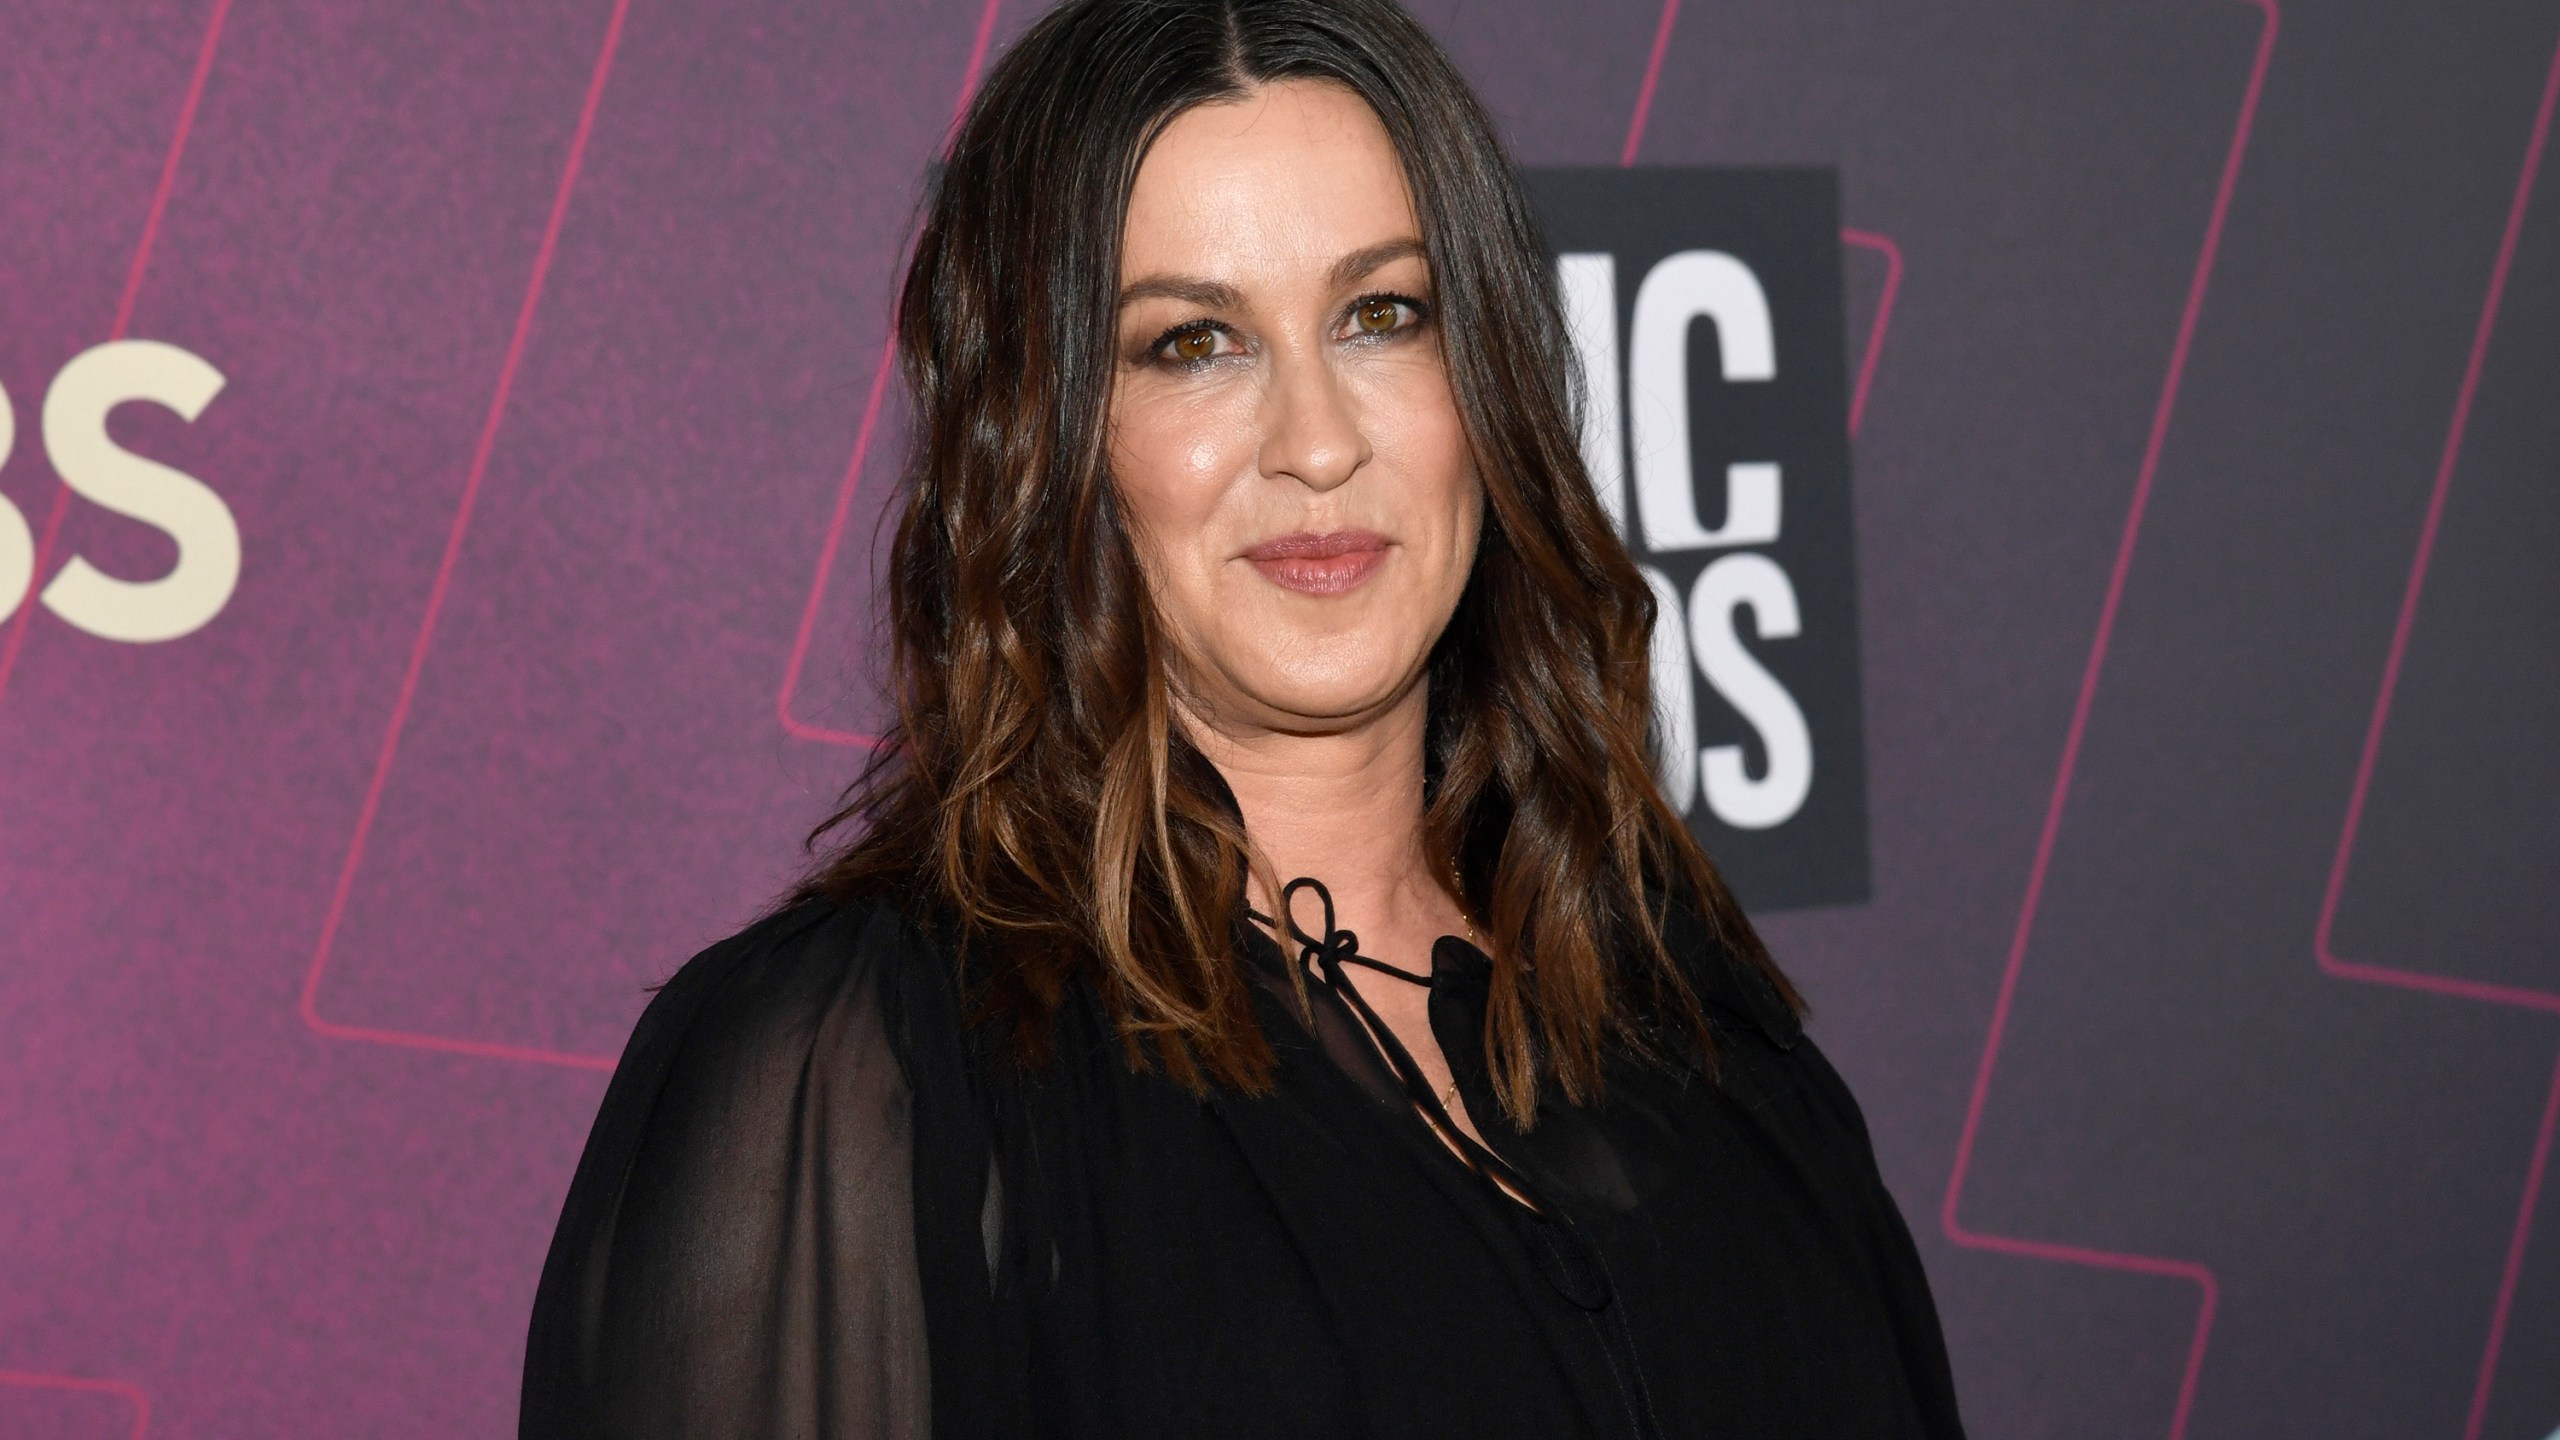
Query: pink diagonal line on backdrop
{"x": 1864, "y": 239}
{"x": 124, "y": 317}
{"x": 2513, "y": 1271}
{"x": 2417, "y": 582}
{"x": 809, "y": 611}
{"x": 834, "y": 543}
{"x": 309, "y": 1006}
{"x": 124, "y": 1390}
{"x": 977, "y": 65}
{"x": 2194, "y": 1273}
{"x": 1652, "y": 77}
{"x": 1882, "y": 244}
{"x": 2323, "y": 934}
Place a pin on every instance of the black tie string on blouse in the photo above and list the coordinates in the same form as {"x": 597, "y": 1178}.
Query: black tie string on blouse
{"x": 1566, "y": 1259}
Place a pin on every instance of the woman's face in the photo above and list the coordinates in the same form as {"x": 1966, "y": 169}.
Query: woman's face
{"x": 1282, "y": 434}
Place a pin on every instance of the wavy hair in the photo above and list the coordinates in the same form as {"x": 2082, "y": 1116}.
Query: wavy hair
{"x": 1035, "y": 792}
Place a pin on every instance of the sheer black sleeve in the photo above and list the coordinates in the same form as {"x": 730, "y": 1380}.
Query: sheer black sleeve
{"x": 1742, "y": 1001}
{"x": 1906, "y": 1284}
{"x": 737, "y": 1253}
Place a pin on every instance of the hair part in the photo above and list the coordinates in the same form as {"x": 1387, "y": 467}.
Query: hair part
{"x": 1036, "y": 792}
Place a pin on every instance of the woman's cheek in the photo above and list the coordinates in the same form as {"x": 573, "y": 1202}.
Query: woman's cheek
{"x": 1169, "y": 468}
{"x": 1420, "y": 439}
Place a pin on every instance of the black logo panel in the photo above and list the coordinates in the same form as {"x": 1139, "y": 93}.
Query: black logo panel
{"x": 1707, "y": 313}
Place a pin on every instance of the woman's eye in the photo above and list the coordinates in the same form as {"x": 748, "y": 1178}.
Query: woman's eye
{"x": 1383, "y": 315}
{"x": 1192, "y": 346}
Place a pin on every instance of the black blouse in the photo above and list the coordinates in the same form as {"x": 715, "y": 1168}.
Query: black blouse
{"x": 814, "y": 1205}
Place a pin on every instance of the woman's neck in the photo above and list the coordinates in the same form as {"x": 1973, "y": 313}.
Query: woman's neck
{"x": 1346, "y": 808}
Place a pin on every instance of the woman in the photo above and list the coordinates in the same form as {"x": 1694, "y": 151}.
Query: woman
{"x": 1266, "y": 995}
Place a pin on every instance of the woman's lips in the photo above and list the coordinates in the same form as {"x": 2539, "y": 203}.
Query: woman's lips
{"x": 1313, "y": 564}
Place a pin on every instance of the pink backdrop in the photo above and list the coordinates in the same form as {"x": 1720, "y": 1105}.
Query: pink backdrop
{"x": 2207, "y": 435}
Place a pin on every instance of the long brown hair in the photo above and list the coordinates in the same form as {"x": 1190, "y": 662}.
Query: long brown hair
{"x": 1035, "y": 792}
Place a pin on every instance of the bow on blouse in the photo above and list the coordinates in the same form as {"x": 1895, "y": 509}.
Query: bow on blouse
{"x": 1338, "y": 947}
{"x": 1566, "y": 1257}
{"x": 1326, "y": 954}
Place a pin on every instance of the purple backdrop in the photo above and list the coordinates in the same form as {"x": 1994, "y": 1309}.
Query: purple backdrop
{"x": 2206, "y": 1010}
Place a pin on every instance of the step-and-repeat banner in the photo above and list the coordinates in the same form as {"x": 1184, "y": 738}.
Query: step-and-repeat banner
{"x": 2099, "y": 465}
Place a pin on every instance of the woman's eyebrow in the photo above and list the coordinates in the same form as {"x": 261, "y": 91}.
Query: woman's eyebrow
{"x": 1350, "y": 268}
{"x": 1219, "y": 295}
{"x": 1208, "y": 294}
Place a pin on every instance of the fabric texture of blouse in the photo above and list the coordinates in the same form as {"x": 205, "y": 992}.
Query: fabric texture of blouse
{"x": 815, "y": 1205}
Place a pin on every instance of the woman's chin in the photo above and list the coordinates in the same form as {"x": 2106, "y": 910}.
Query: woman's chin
{"x": 1313, "y": 704}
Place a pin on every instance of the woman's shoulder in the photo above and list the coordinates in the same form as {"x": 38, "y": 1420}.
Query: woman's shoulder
{"x": 1736, "y": 993}
{"x": 1743, "y": 1001}
{"x": 756, "y": 1141}
{"x": 816, "y": 981}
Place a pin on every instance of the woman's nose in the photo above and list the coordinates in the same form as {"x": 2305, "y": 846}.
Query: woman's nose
{"x": 1311, "y": 426}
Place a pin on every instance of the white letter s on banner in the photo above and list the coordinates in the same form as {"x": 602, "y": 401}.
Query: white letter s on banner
{"x": 103, "y": 473}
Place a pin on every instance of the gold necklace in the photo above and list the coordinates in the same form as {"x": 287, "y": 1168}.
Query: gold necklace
{"x": 1458, "y": 892}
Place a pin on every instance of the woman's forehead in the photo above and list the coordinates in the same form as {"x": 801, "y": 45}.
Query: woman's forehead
{"x": 1287, "y": 179}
